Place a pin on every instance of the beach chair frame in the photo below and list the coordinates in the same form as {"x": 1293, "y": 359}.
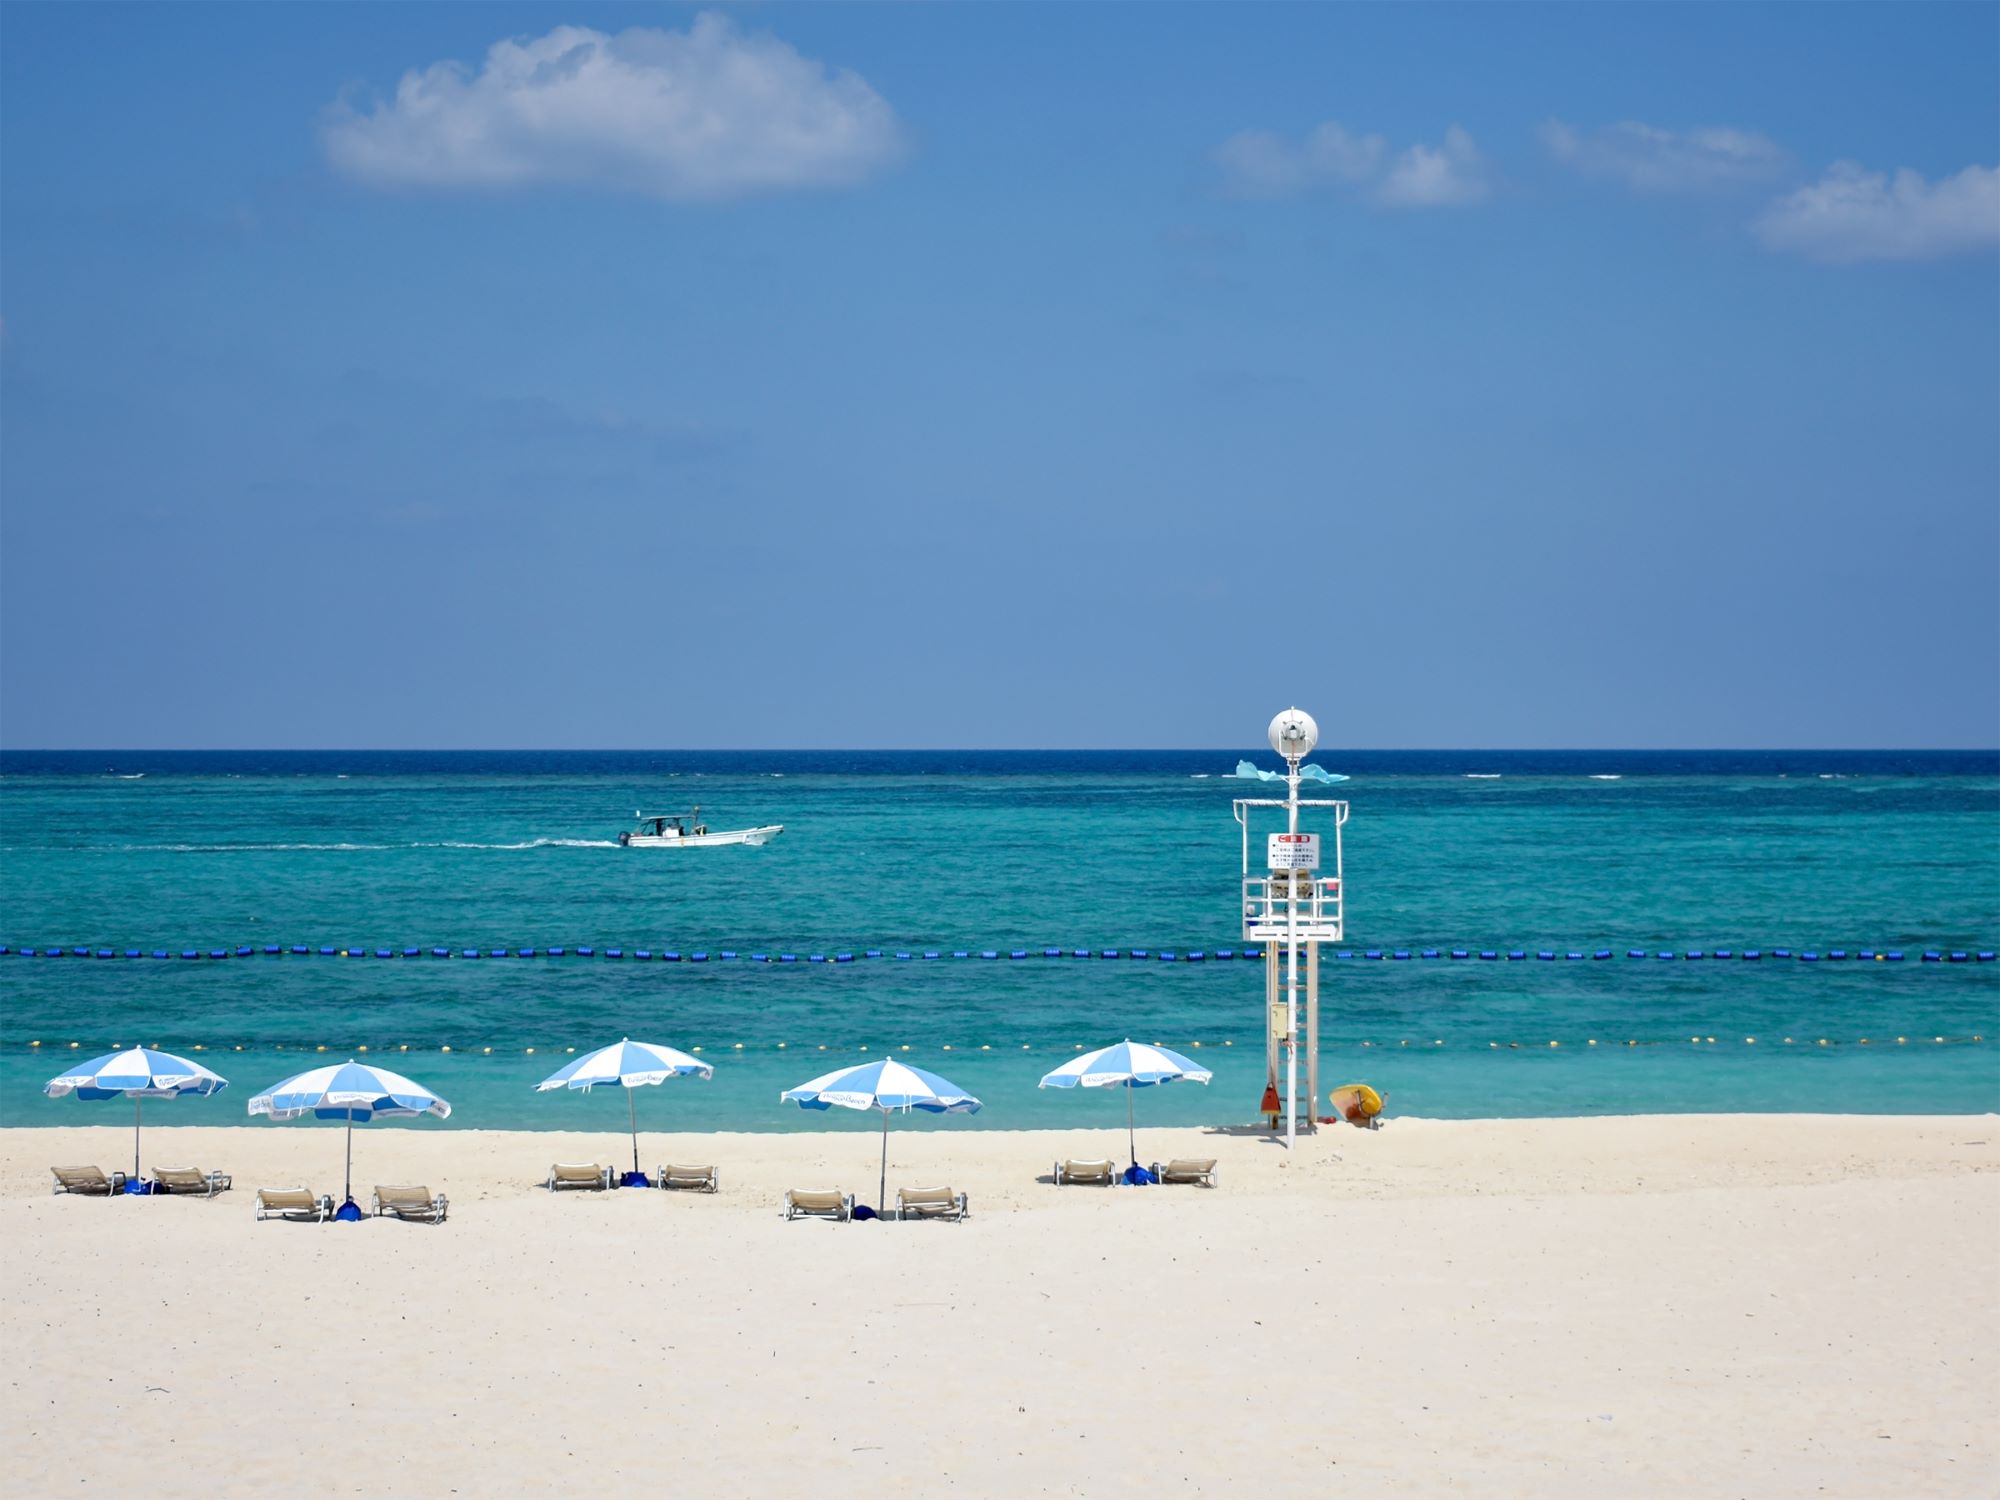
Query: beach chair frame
{"x": 932, "y": 1203}
{"x": 419, "y": 1204}
{"x": 1187, "y": 1171}
{"x": 190, "y": 1182}
{"x": 316, "y": 1209}
{"x": 88, "y": 1182}
{"x": 687, "y": 1179}
{"x": 1076, "y": 1172}
{"x": 598, "y": 1182}
{"x": 818, "y": 1203}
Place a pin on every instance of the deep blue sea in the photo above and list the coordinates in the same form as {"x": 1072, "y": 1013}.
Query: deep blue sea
{"x": 1671, "y": 853}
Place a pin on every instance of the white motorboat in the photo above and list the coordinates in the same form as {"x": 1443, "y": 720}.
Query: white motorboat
{"x": 687, "y": 831}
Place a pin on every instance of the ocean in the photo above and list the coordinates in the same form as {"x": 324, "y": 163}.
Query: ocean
{"x": 1666, "y": 853}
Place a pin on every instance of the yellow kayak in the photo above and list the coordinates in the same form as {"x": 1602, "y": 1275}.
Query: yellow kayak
{"x": 1356, "y": 1103}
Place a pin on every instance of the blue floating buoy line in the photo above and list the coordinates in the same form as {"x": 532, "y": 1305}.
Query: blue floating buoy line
{"x": 995, "y": 955}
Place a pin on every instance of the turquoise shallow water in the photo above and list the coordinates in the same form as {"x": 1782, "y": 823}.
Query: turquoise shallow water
{"x": 1809, "y": 852}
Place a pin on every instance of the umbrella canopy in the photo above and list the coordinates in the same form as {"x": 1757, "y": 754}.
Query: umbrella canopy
{"x": 889, "y": 1086}
{"x": 630, "y": 1065}
{"x": 138, "y": 1073}
{"x": 348, "y": 1091}
{"x": 1132, "y": 1065}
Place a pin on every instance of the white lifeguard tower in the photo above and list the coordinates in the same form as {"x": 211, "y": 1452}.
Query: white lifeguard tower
{"x": 1290, "y": 903}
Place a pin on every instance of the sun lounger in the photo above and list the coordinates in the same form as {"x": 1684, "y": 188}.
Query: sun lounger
{"x": 293, "y": 1203}
{"x": 188, "y": 1180}
{"x": 88, "y": 1181}
{"x": 569, "y": 1174}
{"x": 819, "y": 1203}
{"x": 409, "y": 1203}
{"x": 930, "y": 1203}
{"x": 699, "y": 1179}
{"x": 1099, "y": 1172}
{"x": 1187, "y": 1170}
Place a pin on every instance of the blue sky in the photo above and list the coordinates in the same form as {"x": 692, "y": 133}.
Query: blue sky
{"x": 995, "y": 376}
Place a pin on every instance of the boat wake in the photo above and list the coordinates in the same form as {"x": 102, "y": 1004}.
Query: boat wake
{"x": 242, "y": 848}
{"x": 529, "y": 844}
{"x": 344, "y": 848}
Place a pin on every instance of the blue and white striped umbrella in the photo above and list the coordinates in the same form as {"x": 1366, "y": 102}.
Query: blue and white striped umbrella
{"x": 1130, "y": 1065}
{"x": 891, "y": 1087}
{"x": 630, "y": 1065}
{"x": 138, "y": 1074}
{"x": 348, "y": 1091}
{"x": 888, "y": 1085}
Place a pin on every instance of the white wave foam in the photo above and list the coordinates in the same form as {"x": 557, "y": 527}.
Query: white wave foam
{"x": 1482, "y": 775}
{"x": 1596, "y": 776}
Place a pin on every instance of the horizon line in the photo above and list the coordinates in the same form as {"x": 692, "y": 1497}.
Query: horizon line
{"x": 1993, "y": 750}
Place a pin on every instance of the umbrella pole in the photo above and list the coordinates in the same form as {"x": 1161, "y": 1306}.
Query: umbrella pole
{"x": 882, "y": 1187}
{"x": 632, "y": 1114}
{"x": 348, "y": 1195}
{"x": 137, "y": 1105}
{"x": 1131, "y": 1141}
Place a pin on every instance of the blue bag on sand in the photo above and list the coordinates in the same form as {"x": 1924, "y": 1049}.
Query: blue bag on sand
{"x": 1138, "y": 1176}
{"x": 863, "y": 1211}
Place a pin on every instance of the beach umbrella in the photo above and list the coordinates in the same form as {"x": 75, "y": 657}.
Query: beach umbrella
{"x": 138, "y": 1074}
{"x": 347, "y": 1091}
{"x": 891, "y": 1087}
{"x": 1134, "y": 1065}
{"x": 630, "y": 1065}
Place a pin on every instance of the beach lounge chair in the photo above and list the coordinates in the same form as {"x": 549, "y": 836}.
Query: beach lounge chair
{"x": 1187, "y": 1170}
{"x": 409, "y": 1203}
{"x": 188, "y": 1180}
{"x": 930, "y": 1203}
{"x": 697, "y": 1179}
{"x": 819, "y": 1203}
{"x": 1100, "y": 1172}
{"x": 570, "y": 1174}
{"x": 88, "y": 1181}
{"x": 293, "y": 1203}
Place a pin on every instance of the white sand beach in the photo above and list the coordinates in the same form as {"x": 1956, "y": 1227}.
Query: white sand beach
{"x": 1759, "y": 1306}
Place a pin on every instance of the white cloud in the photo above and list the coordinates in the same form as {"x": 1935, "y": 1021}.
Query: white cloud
{"x": 1426, "y": 176}
{"x": 1263, "y": 164}
{"x": 707, "y": 113}
{"x": 1709, "y": 158}
{"x": 1852, "y": 214}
